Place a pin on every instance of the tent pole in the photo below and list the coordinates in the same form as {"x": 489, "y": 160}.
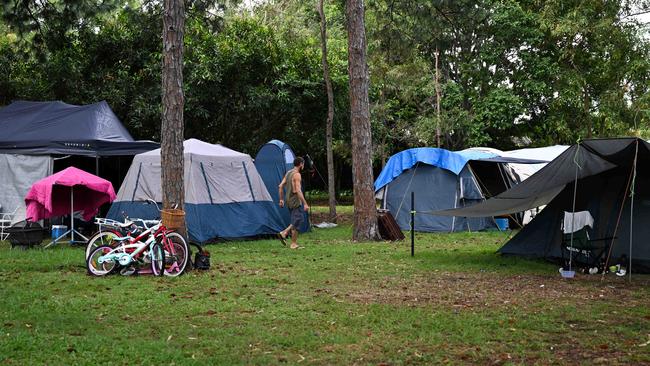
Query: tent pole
{"x": 618, "y": 220}
{"x": 573, "y": 209}
{"x": 72, "y": 215}
{"x": 412, "y": 223}
{"x": 636, "y": 153}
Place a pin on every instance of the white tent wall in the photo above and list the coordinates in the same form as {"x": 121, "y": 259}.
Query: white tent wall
{"x": 547, "y": 154}
{"x": 521, "y": 172}
{"x": 524, "y": 171}
{"x": 19, "y": 172}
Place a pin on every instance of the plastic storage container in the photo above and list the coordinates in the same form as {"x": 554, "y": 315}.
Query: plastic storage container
{"x": 58, "y": 230}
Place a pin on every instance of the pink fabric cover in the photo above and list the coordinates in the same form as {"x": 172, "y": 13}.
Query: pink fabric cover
{"x": 50, "y": 196}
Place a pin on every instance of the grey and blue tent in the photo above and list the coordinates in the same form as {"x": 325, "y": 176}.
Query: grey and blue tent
{"x": 225, "y": 197}
{"x": 273, "y": 161}
{"x": 440, "y": 179}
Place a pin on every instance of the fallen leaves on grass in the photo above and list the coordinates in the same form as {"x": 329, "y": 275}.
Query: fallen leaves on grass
{"x": 474, "y": 290}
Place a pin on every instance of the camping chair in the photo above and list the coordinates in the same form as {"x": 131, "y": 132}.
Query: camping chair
{"x": 5, "y": 222}
{"x": 584, "y": 250}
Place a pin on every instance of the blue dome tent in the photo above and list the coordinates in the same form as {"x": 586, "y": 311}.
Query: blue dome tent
{"x": 273, "y": 161}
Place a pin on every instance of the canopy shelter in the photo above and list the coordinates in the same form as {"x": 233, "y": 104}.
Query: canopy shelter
{"x": 225, "y": 196}
{"x": 33, "y": 133}
{"x": 273, "y": 161}
{"x": 441, "y": 179}
{"x": 66, "y": 192}
{"x": 48, "y": 128}
{"x": 602, "y": 176}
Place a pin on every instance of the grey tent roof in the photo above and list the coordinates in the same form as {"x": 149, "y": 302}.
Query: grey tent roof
{"x": 588, "y": 158}
{"x": 44, "y": 128}
{"x": 201, "y": 148}
{"x": 213, "y": 174}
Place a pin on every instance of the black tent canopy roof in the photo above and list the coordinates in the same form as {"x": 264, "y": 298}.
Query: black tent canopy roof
{"x": 45, "y": 128}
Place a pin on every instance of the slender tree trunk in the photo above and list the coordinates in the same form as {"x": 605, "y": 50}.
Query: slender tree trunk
{"x": 171, "y": 153}
{"x": 331, "y": 188}
{"x": 365, "y": 210}
{"x": 437, "y": 100}
{"x": 586, "y": 105}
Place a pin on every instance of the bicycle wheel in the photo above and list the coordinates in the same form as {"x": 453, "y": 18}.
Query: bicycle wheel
{"x": 157, "y": 259}
{"x": 101, "y": 238}
{"x": 100, "y": 269}
{"x": 176, "y": 254}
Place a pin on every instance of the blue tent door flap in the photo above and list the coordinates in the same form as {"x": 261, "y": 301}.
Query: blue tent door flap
{"x": 273, "y": 161}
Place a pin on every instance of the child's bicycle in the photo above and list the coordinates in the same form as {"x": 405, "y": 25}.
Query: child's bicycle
{"x": 129, "y": 254}
{"x": 109, "y": 230}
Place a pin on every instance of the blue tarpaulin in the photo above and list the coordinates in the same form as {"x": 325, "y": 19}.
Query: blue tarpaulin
{"x": 441, "y": 158}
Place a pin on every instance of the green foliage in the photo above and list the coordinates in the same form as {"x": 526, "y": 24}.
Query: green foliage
{"x": 247, "y": 79}
{"x": 510, "y": 70}
{"x": 552, "y": 71}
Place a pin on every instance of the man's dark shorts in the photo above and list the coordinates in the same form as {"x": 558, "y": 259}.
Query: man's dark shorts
{"x": 297, "y": 217}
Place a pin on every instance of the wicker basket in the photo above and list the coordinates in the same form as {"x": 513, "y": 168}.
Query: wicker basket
{"x": 173, "y": 218}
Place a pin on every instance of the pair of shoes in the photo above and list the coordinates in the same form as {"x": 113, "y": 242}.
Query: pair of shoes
{"x": 283, "y": 239}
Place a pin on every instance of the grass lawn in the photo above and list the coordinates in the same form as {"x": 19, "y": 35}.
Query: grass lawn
{"x": 334, "y": 302}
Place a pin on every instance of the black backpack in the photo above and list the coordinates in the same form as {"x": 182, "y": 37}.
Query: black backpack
{"x": 201, "y": 258}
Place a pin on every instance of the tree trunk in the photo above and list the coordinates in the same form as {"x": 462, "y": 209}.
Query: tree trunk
{"x": 331, "y": 188}
{"x": 171, "y": 152}
{"x": 437, "y": 100}
{"x": 365, "y": 211}
{"x": 586, "y": 105}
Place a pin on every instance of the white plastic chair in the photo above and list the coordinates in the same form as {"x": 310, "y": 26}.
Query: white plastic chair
{"x": 6, "y": 219}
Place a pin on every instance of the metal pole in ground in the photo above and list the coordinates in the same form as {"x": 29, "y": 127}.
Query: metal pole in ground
{"x": 412, "y": 224}
{"x": 636, "y": 154}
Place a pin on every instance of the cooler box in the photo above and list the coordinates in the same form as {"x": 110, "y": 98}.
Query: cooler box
{"x": 502, "y": 224}
{"x": 58, "y": 230}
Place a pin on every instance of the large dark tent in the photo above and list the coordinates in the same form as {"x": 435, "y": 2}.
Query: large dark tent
{"x": 47, "y": 128}
{"x": 613, "y": 181}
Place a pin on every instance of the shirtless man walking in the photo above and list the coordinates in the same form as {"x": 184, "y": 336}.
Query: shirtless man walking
{"x": 295, "y": 199}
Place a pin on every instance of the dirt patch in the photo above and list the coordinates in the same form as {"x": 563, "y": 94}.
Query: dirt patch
{"x": 473, "y": 290}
